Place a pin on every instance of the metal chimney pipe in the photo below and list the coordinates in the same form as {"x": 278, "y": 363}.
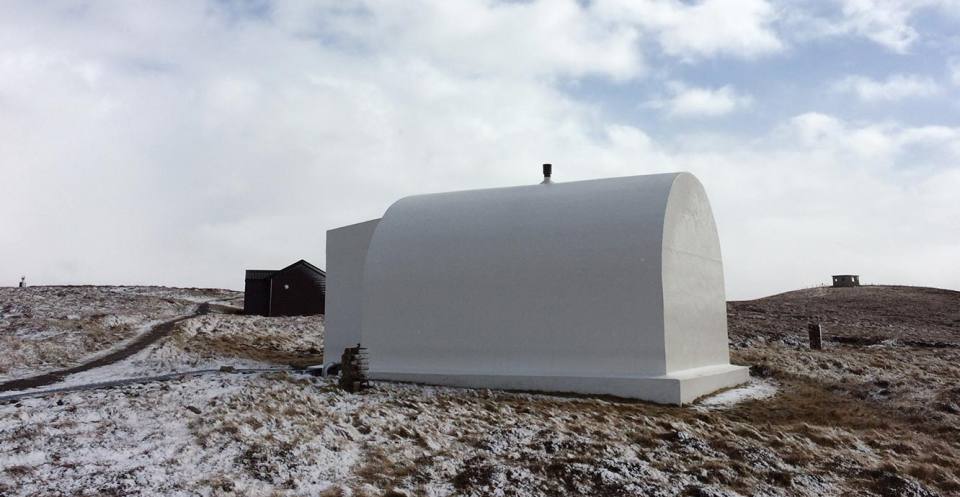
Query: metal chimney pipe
{"x": 547, "y": 170}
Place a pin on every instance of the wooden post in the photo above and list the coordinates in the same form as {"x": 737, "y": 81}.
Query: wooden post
{"x": 816, "y": 335}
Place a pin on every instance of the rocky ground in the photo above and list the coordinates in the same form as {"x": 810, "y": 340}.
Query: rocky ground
{"x": 875, "y": 413}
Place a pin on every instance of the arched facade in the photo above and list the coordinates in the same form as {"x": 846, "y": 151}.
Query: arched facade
{"x": 609, "y": 286}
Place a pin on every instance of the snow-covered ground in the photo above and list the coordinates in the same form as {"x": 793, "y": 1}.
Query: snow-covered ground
{"x": 216, "y": 340}
{"x": 295, "y": 340}
{"x": 755, "y": 389}
{"x": 48, "y": 328}
{"x": 800, "y": 427}
{"x": 213, "y": 341}
{"x": 284, "y": 434}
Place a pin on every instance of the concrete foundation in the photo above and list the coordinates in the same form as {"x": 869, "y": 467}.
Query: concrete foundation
{"x": 682, "y": 387}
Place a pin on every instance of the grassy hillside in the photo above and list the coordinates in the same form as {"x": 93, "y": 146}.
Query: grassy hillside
{"x": 876, "y": 413}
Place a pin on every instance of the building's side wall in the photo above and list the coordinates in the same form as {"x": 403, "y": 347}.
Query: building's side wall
{"x": 296, "y": 292}
{"x": 547, "y": 280}
{"x": 695, "y": 307}
{"x": 256, "y": 297}
{"x": 346, "y": 252}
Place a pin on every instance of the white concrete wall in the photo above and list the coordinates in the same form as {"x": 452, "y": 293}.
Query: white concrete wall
{"x": 694, "y": 301}
{"x": 346, "y": 254}
{"x": 611, "y": 286}
{"x": 557, "y": 279}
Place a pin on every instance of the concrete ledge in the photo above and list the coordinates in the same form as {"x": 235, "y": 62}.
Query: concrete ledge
{"x": 697, "y": 382}
{"x": 678, "y": 388}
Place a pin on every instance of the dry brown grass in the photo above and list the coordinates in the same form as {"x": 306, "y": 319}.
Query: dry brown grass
{"x": 868, "y": 419}
{"x": 54, "y": 327}
{"x": 295, "y": 341}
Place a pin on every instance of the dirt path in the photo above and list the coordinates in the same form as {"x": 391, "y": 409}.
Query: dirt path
{"x": 141, "y": 342}
{"x": 138, "y": 381}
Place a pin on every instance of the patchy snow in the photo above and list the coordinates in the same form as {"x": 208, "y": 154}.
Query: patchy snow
{"x": 211, "y": 342}
{"x": 798, "y": 431}
{"x": 106, "y": 441}
{"x": 283, "y": 434}
{"x": 291, "y": 340}
{"x": 227, "y": 435}
{"x": 46, "y": 328}
{"x": 753, "y": 390}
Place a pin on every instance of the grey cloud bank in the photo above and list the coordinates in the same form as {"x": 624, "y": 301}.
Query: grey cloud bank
{"x": 178, "y": 143}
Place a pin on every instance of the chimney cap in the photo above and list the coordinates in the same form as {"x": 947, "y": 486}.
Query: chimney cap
{"x": 547, "y": 169}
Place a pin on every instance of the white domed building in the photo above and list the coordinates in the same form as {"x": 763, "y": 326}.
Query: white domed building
{"x": 609, "y": 286}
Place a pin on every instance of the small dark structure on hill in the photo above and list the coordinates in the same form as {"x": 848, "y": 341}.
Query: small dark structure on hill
{"x": 842, "y": 280}
{"x": 296, "y": 290}
{"x": 815, "y": 332}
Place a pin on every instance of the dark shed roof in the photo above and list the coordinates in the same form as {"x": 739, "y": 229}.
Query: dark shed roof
{"x": 314, "y": 272}
{"x": 259, "y": 274}
{"x": 262, "y": 274}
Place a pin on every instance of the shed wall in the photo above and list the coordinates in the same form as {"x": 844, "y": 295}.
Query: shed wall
{"x": 256, "y": 297}
{"x": 561, "y": 279}
{"x": 296, "y": 292}
{"x": 346, "y": 254}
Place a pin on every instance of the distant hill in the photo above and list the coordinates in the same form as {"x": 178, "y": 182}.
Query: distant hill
{"x": 917, "y": 316}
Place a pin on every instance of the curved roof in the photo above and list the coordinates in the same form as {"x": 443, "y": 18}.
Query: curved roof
{"x": 581, "y": 278}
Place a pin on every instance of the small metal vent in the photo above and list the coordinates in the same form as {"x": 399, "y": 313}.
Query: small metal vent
{"x": 547, "y": 171}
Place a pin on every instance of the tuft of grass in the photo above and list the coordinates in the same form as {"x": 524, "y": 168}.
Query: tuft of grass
{"x": 780, "y": 478}
{"x": 18, "y": 471}
{"x": 335, "y": 491}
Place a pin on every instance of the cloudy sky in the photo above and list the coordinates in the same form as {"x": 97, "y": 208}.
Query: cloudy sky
{"x": 180, "y": 142}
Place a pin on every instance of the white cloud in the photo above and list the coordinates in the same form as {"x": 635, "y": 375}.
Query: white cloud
{"x": 896, "y": 87}
{"x": 175, "y": 143}
{"x": 881, "y": 145}
{"x": 889, "y": 23}
{"x": 537, "y": 38}
{"x": 742, "y": 28}
{"x": 813, "y": 128}
{"x": 546, "y": 37}
{"x": 882, "y": 21}
{"x": 686, "y": 101}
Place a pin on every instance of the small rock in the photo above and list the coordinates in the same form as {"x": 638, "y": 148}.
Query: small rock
{"x": 761, "y": 371}
{"x": 889, "y": 484}
{"x": 397, "y": 492}
{"x": 950, "y": 407}
{"x": 708, "y": 491}
{"x": 192, "y": 409}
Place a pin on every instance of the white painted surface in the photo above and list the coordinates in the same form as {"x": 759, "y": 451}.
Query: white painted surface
{"x": 694, "y": 301}
{"x": 346, "y": 253}
{"x": 611, "y": 286}
{"x": 682, "y": 388}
